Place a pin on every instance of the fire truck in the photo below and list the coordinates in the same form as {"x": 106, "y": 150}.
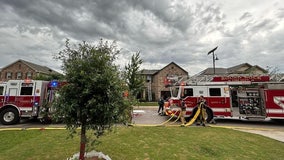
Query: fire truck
{"x": 25, "y": 99}
{"x": 242, "y": 97}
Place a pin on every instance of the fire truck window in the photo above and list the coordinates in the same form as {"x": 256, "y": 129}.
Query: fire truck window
{"x": 1, "y": 90}
{"x": 188, "y": 92}
{"x": 215, "y": 91}
{"x": 26, "y": 89}
{"x": 175, "y": 91}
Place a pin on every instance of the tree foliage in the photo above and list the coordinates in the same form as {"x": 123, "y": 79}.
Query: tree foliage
{"x": 49, "y": 77}
{"x": 92, "y": 97}
{"x": 133, "y": 79}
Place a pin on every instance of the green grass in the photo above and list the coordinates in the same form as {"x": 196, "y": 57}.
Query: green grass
{"x": 148, "y": 104}
{"x": 130, "y": 143}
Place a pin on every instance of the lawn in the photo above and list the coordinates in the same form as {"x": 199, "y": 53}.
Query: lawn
{"x": 129, "y": 143}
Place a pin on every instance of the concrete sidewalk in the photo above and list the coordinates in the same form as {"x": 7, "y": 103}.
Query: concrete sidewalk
{"x": 274, "y": 134}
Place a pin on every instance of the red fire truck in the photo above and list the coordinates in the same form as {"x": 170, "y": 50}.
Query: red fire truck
{"x": 248, "y": 97}
{"x": 25, "y": 99}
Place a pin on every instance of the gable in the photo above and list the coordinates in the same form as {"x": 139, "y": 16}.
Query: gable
{"x": 32, "y": 67}
{"x": 173, "y": 67}
{"x": 17, "y": 65}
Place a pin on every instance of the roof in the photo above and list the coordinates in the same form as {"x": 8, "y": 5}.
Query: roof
{"x": 35, "y": 67}
{"x": 235, "y": 70}
{"x": 175, "y": 65}
{"x": 153, "y": 72}
{"x": 211, "y": 71}
{"x": 148, "y": 72}
{"x": 257, "y": 67}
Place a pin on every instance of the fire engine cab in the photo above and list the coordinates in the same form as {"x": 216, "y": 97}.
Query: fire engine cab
{"x": 249, "y": 97}
{"x": 24, "y": 99}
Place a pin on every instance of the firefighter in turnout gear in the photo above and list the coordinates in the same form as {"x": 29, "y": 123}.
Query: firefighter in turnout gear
{"x": 202, "y": 115}
{"x": 182, "y": 112}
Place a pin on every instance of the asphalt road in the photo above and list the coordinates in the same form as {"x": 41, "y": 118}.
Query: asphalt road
{"x": 149, "y": 116}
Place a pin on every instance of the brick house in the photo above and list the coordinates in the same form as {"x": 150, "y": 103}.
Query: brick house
{"x": 154, "y": 81}
{"x": 22, "y": 69}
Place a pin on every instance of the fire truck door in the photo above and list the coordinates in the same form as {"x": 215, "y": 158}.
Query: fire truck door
{"x": 2, "y": 94}
{"x": 26, "y": 97}
{"x": 12, "y": 96}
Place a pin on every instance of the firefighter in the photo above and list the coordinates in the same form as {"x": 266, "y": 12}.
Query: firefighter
{"x": 201, "y": 117}
{"x": 182, "y": 112}
{"x": 161, "y": 106}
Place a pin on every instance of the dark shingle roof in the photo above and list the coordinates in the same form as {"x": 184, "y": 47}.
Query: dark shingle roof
{"x": 211, "y": 71}
{"x": 36, "y": 67}
{"x": 148, "y": 72}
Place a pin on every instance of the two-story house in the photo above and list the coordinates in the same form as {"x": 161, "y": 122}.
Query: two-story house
{"x": 154, "y": 81}
{"x": 22, "y": 69}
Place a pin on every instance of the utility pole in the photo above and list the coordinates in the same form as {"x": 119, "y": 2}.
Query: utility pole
{"x": 214, "y": 58}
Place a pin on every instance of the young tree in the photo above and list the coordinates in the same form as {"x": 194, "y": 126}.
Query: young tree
{"x": 92, "y": 97}
{"x": 133, "y": 79}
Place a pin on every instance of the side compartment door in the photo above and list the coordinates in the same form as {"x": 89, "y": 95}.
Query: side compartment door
{"x": 274, "y": 102}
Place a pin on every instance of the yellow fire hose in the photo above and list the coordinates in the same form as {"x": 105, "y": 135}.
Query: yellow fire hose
{"x": 156, "y": 125}
{"x": 176, "y": 119}
{"x": 196, "y": 115}
{"x": 172, "y": 115}
{"x": 194, "y": 118}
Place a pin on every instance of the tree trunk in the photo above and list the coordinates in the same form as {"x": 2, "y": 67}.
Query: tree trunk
{"x": 83, "y": 141}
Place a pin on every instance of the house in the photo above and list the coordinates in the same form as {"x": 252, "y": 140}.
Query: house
{"x": 22, "y": 69}
{"x": 241, "y": 69}
{"x": 154, "y": 81}
{"x": 244, "y": 68}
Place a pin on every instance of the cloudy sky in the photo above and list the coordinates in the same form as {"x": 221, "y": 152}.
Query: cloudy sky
{"x": 164, "y": 31}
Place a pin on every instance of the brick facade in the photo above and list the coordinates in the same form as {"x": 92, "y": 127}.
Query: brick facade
{"x": 23, "y": 70}
{"x": 154, "y": 81}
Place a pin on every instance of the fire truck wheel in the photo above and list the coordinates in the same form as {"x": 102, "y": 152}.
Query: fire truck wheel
{"x": 9, "y": 116}
{"x": 209, "y": 114}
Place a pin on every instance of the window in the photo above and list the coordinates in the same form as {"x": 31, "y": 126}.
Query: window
{"x": 29, "y": 75}
{"x": 187, "y": 92}
{"x": 9, "y": 75}
{"x": 26, "y": 89}
{"x": 215, "y": 91}
{"x": 1, "y": 90}
{"x": 19, "y": 75}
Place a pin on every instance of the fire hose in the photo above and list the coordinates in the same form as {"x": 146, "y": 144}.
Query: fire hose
{"x": 200, "y": 109}
{"x": 173, "y": 115}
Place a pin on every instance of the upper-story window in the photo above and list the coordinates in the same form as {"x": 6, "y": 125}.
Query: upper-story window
{"x": 19, "y": 75}
{"x": 29, "y": 75}
{"x": 9, "y": 75}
